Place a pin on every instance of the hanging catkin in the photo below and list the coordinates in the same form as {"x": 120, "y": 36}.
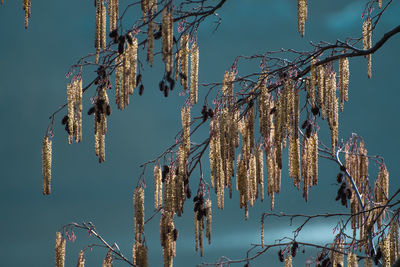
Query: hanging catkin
{"x": 60, "y": 250}
{"x": 102, "y": 109}
{"x": 81, "y": 259}
{"x": 113, "y": 11}
{"x": 167, "y": 39}
{"x": 367, "y": 42}
{"x": 313, "y": 81}
{"x": 301, "y": 15}
{"x": 288, "y": 261}
{"x": 46, "y": 165}
{"x": 26, "y": 4}
{"x": 150, "y": 42}
{"x": 139, "y": 255}
{"x": 100, "y": 33}
{"x": 194, "y": 72}
{"x": 157, "y": 187}
{"x": 168, "y": 235}
{"x": 185, "y": 119}
{"x": 209, "y": 220}
{"x": 138, "y": 204}
{"x": 394, "y": 239}
{"x": 380, "y": 3}
{"x": 183, "y": 66}
{"x": 108, "y": 260}
{"x": 74, "y": 98}
{"x": 321, "y": 89}
{"x": 344, "y": 74}
{"x": 381, "y": 193}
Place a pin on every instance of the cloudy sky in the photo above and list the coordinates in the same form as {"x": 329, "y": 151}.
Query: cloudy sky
{"x": 33, "y": 64}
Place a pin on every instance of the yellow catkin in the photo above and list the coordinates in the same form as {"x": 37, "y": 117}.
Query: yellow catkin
{"x": 321, "y": 89}
{"x": 100, "y": 33}
{"x": 385, "y": 248}
{"x": 60, "y": 250}
{"x": 313, "y": 81}
{"x": 100, "y": 123}
{"x": 381, "y": 192}
{"x": 184, "y": 61}
{"x": 167, "y": 39}
{"x": 367, "y": 42}
{"x": 209, "y": 219}
{"x": 301, "y": 15}
{"x": 108, "y": 260}
{"x": 260, "y": 171}
{"x": 380, "y": 3}
{"x": 194, "y": 72}
{"x": 113, "y": 11}
{"x": 368, "y": 262}
{"x": 145, "y": 6}
{"x": 81, "y": 259}
{"x": 138, "y": 204}
{"x": 132, "y": 55}
{"x": 139, "y": 254}
{"x": 394, "y": 240}
{"x": 46, "y": 165}
{"x": 26, "y": 4}
{"x": 185, "y": 119}
{"x": 288, "y": 261}
{"x": 344, "y": 74}
{"x": 262, "y": 231}
{"x": 150, "y": 42}
{"x": 157, "y": 187}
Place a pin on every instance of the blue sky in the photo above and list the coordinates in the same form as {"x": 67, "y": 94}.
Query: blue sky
{"x": 33, "y": 64}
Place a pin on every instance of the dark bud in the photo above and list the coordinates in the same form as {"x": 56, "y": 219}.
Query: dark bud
{"x": 186, "y": 181}
{"x": 304, "y": 125}
{"x": 91, "y": 111}
{"x": 99, "y": 105}
{"x": 348, "y": 193}
{"x": 251, "y": 104}
{"x": 157, "y": 35}
{"x": 326, "y": 263}
{"x": 201, "y": 199}
{"x": 188, "y": 192}
{"x": 141, "y": 89}
{"x": 108, "y": 110}
{"x": 98, "y": 116}
{"x": 166, "y": 90}
{"x": 196, "y": 198}
{"x": 175, "y": 41}
{"x": 246, "y": 265}
{"x": 309, "y": 130}
{"x": 166, "y": 169}
{"x": 338, "y": 265}
{"x": 315, "y": 111}
{"x": 129, "y": 39}
{"x": 67, "y": 128}
{"x": 294, "y": 249}
{"x": 210, "y": 113}
{"x": 113, "y": 33}
{"x": 280, "y": 255}
{"x": 175, "y": 234}
{"x": 197, "y": 206}
{"x": 200, "y": 214}
{"x": 169, "y": 79}
{"x": 205, "y": 212}
{"x": 183, "y": 76}
{"x": 339, "y": 177}
{"x": 273, "y": 110}
{"x": 138, "y": 78}
{"x": 121, "y": 44}
{"x": 204, "y": 113}
{"x": 172, "y": 84}
{"x": 344, "y": 200}
{"x": 64, "y": 120}
{"x": 378, "y": 256}
{"x": 342, "y": 168}
{"x": 164, "y": 172}
{"x": 161, "y": 85}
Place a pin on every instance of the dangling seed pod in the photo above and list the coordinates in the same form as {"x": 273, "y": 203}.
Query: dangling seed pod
{"x": 46, "y": 165}
{"x": 60, "y": 250}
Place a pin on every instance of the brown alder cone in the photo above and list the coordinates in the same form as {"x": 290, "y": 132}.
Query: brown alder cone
{"x": 46, "y": 165}
{"x": 60, "y": 250}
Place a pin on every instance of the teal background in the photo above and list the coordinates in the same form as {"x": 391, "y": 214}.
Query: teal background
{"x": 33, "y": 64}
